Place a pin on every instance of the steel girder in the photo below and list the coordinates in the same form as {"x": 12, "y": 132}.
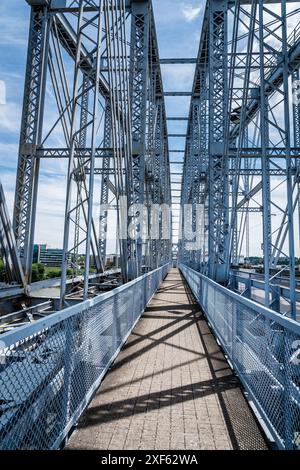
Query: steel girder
{"x": 31, "y": 134}
{"x": 245, "y": 153}
{"x": 107, "y": 141}
{"x": 104, "y": 114}
{"x": 155, "y": 251}
{"x": 81, "y": 180}
{"x": 190, "y": 188}
{"x": 210, "y": 92}
{"x": 195, "y": 192}
{"x": 78, "y": 130}
{"x": 150, "y": 136}
{"x": 249, "y": 64}
{"x": 218, "y": 164}
{"x": 139, "y": 54}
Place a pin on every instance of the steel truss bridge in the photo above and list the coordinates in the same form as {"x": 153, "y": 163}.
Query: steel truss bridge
{"x": 94, "y": 105}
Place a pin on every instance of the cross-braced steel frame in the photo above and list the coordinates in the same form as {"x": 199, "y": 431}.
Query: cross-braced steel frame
{"x": 98, "y": 61}
{"x": 242, "y": 151}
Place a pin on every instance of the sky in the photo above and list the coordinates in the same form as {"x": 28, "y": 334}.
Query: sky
{"x": 178, "y": 26}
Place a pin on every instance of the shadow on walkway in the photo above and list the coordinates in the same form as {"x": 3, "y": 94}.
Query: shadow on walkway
{"x": 171, "y": 386}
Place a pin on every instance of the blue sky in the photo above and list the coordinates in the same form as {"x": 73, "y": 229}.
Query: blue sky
{"x": 178, "y": 27}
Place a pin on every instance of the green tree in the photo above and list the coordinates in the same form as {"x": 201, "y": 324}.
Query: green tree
{"x": 35, "y": 276}
{"x": 41, "y": 270}
{"x": 38, "y": 272}
{"x": 2, "y": 271}
{"x": 52, "y": 273}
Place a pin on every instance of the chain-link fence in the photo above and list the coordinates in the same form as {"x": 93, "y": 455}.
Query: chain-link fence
{"x": 264, "y": 348}
{"x": 50, "y": 369}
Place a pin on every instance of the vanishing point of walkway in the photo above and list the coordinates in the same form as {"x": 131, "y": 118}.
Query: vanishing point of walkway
{"x": 170, "y": 387}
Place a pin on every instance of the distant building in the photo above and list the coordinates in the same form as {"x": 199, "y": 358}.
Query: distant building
{"x": 51, "y": 257}
{"x": 37, "y": 252}
{"x": 113, "y": 259}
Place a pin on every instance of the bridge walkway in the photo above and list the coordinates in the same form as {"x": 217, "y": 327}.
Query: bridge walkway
{"x": 170, "y": 387}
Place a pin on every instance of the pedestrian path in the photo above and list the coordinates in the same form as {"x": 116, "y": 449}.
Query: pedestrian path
{"x": 170, "y": 388}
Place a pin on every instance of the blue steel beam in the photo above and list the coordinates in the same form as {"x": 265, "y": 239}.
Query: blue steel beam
{"x": 238, "y": 112}
{"x": 120, "y": 78}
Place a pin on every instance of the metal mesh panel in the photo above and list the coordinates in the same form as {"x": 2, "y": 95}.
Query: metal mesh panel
{"x": 264, "y": 348}
{"x": 50, "y": 369}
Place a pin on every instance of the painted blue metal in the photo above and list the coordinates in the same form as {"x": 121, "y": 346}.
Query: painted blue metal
{"x": 264, "y": 349}
{"x": 250, "y": 281}
{"x": 50, "y": 370}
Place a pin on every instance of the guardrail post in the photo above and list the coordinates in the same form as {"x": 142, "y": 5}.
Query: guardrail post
{"x": 68, "y": 368}
{"x": 115, "y": 325}
{"x": 200, "y": 289}
{"x": 248, "y": 292}
{"x": 275, "y": 302}
{"x": 237, "y": 336}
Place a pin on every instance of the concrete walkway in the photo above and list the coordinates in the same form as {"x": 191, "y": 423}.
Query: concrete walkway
{"x": 170, "y": 387}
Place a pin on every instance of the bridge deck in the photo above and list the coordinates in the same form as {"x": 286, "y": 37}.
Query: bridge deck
{"x": 170, "y": 387}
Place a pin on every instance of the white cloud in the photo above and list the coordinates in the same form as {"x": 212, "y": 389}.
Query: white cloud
{"x": 10, "y": 34}
{"x": 10, "y": 119}
{"x": 2, "y": 93}
{"x": 178, "y": 77}
{"x": 190, "y": 12}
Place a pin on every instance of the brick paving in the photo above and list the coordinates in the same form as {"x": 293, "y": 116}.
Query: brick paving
{"x": 170, "y": 388}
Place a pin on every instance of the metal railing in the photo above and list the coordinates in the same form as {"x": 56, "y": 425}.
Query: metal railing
{"x": 50, "y": 369}
{"x": 264, "y": 349}
{"x": 247, "y": 284}
{"x": 277, "y": 280}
